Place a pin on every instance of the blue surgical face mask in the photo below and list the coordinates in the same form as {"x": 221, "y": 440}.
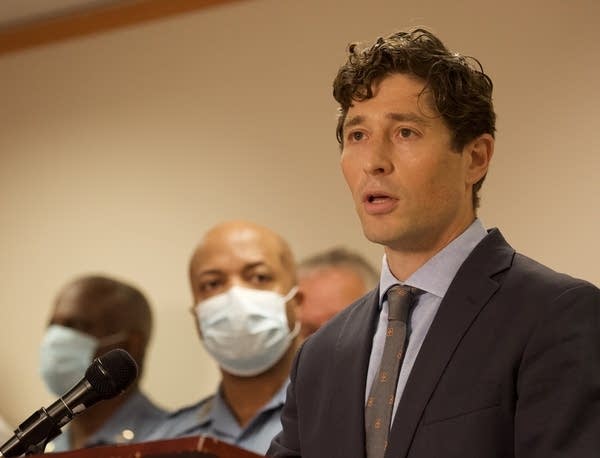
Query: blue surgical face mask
{"x": 65, "y": 355}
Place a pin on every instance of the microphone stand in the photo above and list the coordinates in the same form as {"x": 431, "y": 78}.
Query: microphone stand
{"x": 40, "y": 428}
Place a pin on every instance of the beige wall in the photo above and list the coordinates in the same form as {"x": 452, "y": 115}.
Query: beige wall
{"x": 118, "y": 150}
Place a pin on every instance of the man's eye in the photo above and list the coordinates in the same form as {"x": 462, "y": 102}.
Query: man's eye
{"x": 209, "y": 285}
{"x": 356, "y": 136}
{"x": 261, "y": 278}
{"x": 405, "y": 133}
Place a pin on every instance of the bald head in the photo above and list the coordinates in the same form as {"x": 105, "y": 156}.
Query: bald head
{"x": 244, "y": 253}
{"x": 103, "y": 307}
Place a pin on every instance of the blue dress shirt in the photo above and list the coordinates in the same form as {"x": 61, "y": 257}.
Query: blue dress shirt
{"x": 434, "y": 278}
{"x": 213, "y": 417}
{"x": 132, "y": 422}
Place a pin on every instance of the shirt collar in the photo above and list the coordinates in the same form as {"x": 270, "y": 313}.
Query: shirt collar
{"x": 223, "y": 420}
{"x": 438, "y": 272}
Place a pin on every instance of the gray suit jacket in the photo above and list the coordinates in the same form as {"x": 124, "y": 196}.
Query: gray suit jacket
{"x": 510, "y": 368}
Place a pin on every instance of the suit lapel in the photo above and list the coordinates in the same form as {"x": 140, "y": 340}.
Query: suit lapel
{"x": 466, "y": 297}
{"x": 351, "y": 360}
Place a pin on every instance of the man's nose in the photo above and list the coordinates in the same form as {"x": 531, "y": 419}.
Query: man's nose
{"x": 378, "y": 158}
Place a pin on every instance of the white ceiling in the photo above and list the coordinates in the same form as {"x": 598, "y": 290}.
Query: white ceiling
{"x": 19, "y": 11}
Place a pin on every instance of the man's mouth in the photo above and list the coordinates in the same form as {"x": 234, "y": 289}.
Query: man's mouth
{"x": 378, "y": 203}
{"x": 374, "y": 198}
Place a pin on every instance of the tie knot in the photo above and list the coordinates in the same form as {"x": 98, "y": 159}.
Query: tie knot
{"x": 400, "y": 300}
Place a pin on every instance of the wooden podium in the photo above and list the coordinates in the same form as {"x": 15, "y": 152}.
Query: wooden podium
{"x": 187, "y": 447}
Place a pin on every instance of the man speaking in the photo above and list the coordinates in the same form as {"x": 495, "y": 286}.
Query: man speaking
{"x": 466, "y": 349}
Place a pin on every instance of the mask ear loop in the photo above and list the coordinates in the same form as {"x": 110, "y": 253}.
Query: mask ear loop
{"x": 294, "y": 332}
{"x": 289, "y": 296}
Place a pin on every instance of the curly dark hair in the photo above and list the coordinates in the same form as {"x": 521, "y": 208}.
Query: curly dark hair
{"x": 456, "y": 86}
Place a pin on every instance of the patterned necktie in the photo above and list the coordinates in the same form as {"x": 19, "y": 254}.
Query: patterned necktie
{"x": 378, "y": 411}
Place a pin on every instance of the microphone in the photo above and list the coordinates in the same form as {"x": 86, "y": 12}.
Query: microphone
{"x": 107, "y": 376}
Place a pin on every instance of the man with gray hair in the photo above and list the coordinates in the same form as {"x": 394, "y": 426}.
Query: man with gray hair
{"x": 331, "y": 280}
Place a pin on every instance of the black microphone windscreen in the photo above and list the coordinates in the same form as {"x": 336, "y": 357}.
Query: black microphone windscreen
{"x": 111, "y": 373}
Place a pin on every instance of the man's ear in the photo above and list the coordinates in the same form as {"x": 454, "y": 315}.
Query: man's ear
{"x": 478, "y": 154}
{"x": 298, "y": 299}
{"x": 135, "y": 345}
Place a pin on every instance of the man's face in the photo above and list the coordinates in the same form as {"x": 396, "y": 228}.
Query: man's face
{"x": 89, "y": 315}
{"x": 408, "y": 185}
{"x": 326, "y": 291}
{"x": 74, "y": 311}
{"x": 239, "y": 256}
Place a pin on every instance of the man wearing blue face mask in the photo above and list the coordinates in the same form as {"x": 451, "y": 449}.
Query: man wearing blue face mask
{"x": 91, "y": 316}
{"x": 243, "y": 283}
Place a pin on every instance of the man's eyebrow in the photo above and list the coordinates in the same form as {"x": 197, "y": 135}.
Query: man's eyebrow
{"x": 411, "y": 117}
{"x": 353, "y": 121}
{"x": 209, "y": 272}
{"x": 402, "y": 117}
{"x": 253, "y": 265}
